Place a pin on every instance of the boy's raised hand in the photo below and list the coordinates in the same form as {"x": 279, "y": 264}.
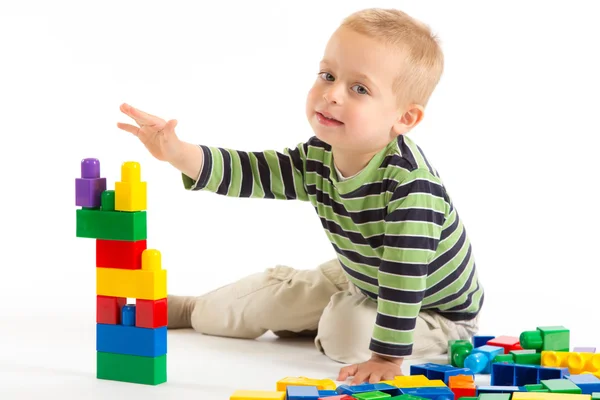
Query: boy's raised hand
{"x": 155, "y": 133}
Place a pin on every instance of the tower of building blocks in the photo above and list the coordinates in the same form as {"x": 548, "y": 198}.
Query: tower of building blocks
{"x": 131, "y": 337}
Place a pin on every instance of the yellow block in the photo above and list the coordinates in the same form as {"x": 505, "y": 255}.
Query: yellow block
{"x": 257, "y": 395}
{"x": 576, "y": 362}
{"x": 130, "y": 192}
{"x": 416, "y": 381}
{"x": 148, "y": 283}
{"x": 321, "y": 384}
{"x": 549, "y": 396}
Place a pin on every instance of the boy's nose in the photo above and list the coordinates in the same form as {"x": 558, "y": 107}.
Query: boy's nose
{"x": 333, "y": 95}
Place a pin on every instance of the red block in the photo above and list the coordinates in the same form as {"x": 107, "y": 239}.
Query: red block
{"x": 464, "y": 392}
{"x": 150, "y": 313}
{"x": 121, "y": 254}
{"x": 108, "y": 309}
{"x": 508, "y": 343}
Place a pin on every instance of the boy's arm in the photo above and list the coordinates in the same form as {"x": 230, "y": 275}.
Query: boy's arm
{"x": 416, "y": 213}
{"x": 267, "y": 174}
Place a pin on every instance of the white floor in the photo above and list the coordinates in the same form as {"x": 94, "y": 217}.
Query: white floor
{"x": 41, "y": 357}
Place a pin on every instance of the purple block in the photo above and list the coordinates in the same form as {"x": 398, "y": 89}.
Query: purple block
{"x": 584, "y": 350}
{"x": 89, "y": 187}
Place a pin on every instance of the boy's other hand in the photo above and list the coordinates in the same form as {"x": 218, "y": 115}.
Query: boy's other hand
{"x": 155, "y": 133}
{"x": 377, "y": 369}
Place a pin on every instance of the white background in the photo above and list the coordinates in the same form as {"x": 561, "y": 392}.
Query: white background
{"x": 512, "y": 128}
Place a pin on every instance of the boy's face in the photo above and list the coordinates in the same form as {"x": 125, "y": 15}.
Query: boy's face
{"x": 354, "y": 87}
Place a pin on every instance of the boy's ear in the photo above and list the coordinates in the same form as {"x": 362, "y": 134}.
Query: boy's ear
{"x": 410, "y": 118}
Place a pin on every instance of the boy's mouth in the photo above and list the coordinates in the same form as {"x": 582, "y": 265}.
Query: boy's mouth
{"x": 327, "y": 120}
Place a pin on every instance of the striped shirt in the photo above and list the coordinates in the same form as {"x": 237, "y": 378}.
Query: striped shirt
{"x": 393, "y": 225}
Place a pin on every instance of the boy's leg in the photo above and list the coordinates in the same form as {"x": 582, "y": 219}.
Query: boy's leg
{"x": 346, "y": 326}
{"x": 280, "y": 299}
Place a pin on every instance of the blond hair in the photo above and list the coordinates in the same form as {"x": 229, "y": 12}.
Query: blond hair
{"x": 423, "y": 56}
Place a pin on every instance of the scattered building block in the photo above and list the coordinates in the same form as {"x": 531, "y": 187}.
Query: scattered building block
{"x": 320, "y": 384}
{"x": 301, "y": 393}
{"x": 498, "y": 389}
{"x": 462, "y": 386}
{"x": 480, "y": 359}
{"x": 548, "y": 396}
{"x": 577, "y": 363}
{"x": 588, "y": 383}
{"x": 481, "y": 340}
{"x": 369, "y": 387}
{"x": 561, "y": 386}
{"x": 529, "y": 357}
{"x": 438, "y": 371}
{"x": 584, "y": 350}
{"x": 411, "y": 381}
{"x": 508, "y": 343}
{"x": 131, "y": 369}
{"x": 432, "y": 393}
{"x": 521, "y": 375}
{"x": 257, "y": 395}
{"x": 458, "y": 350}
{"x": 553, "y": 338}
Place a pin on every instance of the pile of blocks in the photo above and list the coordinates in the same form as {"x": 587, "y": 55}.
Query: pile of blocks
{"x": 131, "y": 285}
{"x": 537, "y": 365}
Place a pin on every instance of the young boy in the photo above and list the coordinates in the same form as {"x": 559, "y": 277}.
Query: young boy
{"x": 404, "y": 281}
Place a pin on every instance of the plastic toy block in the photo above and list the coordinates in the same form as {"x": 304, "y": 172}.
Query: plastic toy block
{"x": 411, "y": 397}
{"x": 596, "y": 396}
{"x": 111, "y": 225}
{"x": 130, "y": 191}
{"x": 128, "y": 315}
{"x": 338, "y": 397}
{"x": 353, "y": 390}
{"x": 108, "y": 309}
{"x": 561, "y": 386}
{"x": 577, "y": 363}
{"x": 332, "y": 395}
{"x": 148, "y": 283}
{"x": 536, "y": 388}
{"x": 257, "y": 395}
{"x": 462, "y": 386}
{"x": 553, "y": 338}
{"x": 499, "y": 389}
{"x": 529, "y": 357}
{"x": 432, "y": 393}
{"x": 119, "y": 253}
{"x": 480, "y": 359}
{"x": 494, "y": 396}
{"x": 372, "y": 396}
{"x": 506, "y": 358}
{"x": 584, "y": 350}
{"x": 508, "y": 343}
{"x": 89, "y": 187}
{"x": 320, "y": 384}
{"x": 131, "y": 369}
{"x": 131, "y": 340}
{"x": 438, "y": 371}
{"x": 458, "y": 350}
{"x": 302, "y": 393}
{"x": 481, "y": 340}
{"x": 151, "y": 313}
{"x": 549, "y": 396}
{"x": 521, "y": 375}
{"x": 587, "y": 382}
{"x": 412, "y": 381}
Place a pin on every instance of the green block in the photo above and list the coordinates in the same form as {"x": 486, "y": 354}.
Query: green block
{"x": 413, "y": 397}
{"x": 527, "y": 357}
{"x": 111, "y": 225}
{"x": 536, "y": 388}
{"x": 495, "y": 396}
{"x": 458, "y": 350}
{"x": 372, "y": 396}
{"x": 504, "y": 358}
{"x": 550, "y": 338}
{"x": 131, "y": 369}
{"x": 561, "y": 386}
{"x": 596, "y": 396}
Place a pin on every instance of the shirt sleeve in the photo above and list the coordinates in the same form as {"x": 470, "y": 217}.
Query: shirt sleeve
{"x": 413, "y": 224}
{"x": 267, "y": 174}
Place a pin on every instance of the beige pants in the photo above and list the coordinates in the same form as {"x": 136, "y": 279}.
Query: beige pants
{"x": 319, "y": 303}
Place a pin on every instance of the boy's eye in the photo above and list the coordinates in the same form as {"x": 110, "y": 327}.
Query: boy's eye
{"x": 361, "y": 89}
{"x": 327, "y": 76}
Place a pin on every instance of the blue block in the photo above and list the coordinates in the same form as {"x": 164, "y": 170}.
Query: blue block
{"x": 481, "y": 358}
{"x": 439, "y": 371}
{"x": 302, "y": 393}
{"x": 480, "y": 340}
{"x": 131, "y": 340}
{"x": 369, "y": 387}
{"x": 588, "y": 383}
{"x": 499, "y": 389}
{"x": 433, "y": 393}
{"x": 128, "y": 315}
{"x": 504, "y": 374}
{"x": 328, "y": 393}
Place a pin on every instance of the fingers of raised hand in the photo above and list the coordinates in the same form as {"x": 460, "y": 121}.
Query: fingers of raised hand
{"x": 141, "y": 117}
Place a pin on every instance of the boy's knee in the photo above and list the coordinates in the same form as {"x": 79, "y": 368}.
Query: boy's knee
{"x": 346, "y": 328}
